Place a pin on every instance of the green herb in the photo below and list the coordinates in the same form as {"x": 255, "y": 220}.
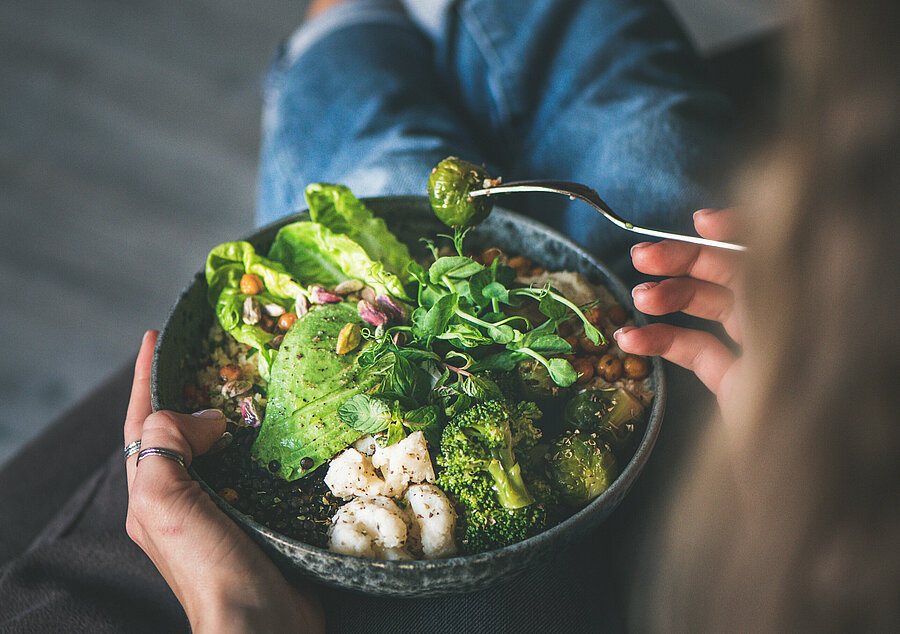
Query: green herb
{"x": 365, "y": 413}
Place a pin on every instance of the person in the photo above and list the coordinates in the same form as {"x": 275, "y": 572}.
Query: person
{"x": 787, "y": 518}
{"x": 372, "y": 94}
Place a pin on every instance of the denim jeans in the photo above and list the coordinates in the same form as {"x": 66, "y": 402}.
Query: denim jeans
{"x": 608, "y": 93}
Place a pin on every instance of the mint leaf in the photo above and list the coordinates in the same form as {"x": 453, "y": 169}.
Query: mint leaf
{"x": 365, "y": 413}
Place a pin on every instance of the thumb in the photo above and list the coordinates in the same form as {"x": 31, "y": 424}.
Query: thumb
{"x": 188, "y": 434}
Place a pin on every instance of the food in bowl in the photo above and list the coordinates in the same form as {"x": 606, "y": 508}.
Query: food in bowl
{"x": 394, "y": 408}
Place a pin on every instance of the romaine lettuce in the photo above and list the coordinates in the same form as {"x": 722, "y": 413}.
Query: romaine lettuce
{"x": 315, "y": 254}
{"x": 337, "y": 208}
{"x": 225, "y": 266}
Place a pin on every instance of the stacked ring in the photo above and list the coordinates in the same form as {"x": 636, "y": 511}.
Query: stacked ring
{"x": 161, "y": 451}
{"x": 132, "y": 448}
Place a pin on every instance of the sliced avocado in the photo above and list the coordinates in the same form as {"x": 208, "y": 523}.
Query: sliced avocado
{"x": 309, "y": 382}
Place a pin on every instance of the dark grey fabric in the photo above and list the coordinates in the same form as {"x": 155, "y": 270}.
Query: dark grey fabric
{"x": 81, "y": 572}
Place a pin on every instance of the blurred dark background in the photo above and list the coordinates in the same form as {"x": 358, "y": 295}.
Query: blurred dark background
{"x": 129, "y": 132}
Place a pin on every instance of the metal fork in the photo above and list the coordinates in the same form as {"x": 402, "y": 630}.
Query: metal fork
{"x": 588, "y": 195}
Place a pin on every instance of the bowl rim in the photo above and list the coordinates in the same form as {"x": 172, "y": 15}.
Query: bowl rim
{"x": 612, "y": 495}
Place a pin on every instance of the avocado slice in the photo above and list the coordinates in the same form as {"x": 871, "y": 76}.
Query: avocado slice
{"x": 308, "y": 383}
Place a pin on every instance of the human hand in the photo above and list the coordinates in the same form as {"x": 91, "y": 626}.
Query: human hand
{"x": 222, "y": 579}
{"x": 702, "y": 282}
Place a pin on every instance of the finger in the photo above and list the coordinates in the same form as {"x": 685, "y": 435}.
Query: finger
{"x": 681, "y": 259}
{"x": 718, "y": 224}
{"x": 699, "y": 352}
{"x": 188, "y": 434}
{"x": 690, "y": 296}
{"x": 139, "y": 404}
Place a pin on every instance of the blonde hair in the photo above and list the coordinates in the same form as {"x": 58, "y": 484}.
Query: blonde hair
{"x": 788, "y": 517}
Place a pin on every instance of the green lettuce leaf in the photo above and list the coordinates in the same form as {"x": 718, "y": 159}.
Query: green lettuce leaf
{"x": 314, "y": 253}
{"x": 225, "y": 266}
{"x": 338, "y": 209}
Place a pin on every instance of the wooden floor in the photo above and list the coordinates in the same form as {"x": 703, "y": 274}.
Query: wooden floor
{"x": 128, "y": 146}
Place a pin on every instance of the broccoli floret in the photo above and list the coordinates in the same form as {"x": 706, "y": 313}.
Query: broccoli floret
{"x": 581, "y": 466}
{"x": 503, "y": 527}
{"x": 525, "y": 434}
{"x": 480, "y": 469}
{"x": 487, "y": 525}
{"x": 480, "y": 440}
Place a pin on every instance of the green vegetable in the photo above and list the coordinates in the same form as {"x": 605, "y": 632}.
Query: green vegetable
{"x": 482, "y": 452}
{"x": 335, "y": 207}
{"x": 611, "y": 413}
{"x": 534, "y": 381}
{"x": 368, "y": 414}
{"x": 225, "y": 265}
{"x": 309, "y": 383}
{"x": 488, "y": 525}
{"x": 372, "y": 414}
{"x": 315, "y": 254}
{"x": 479, "y": 443}
{"x": 580, "y": 466}
{"x": 448, "y": 190}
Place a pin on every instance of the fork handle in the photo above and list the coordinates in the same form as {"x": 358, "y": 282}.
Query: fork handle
{"x": 591, "y": 197}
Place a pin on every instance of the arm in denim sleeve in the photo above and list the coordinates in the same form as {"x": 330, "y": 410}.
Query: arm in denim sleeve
{"x": 608, "y": 93}
{"x": 353, "y": 99}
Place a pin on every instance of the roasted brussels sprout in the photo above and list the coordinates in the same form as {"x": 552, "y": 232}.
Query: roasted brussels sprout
{"x": 609, "y": 412}
{"x": 448, "y": 189}
{"x": 580, "y": 467}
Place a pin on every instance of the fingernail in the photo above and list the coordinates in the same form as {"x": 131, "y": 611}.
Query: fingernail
{"x": 640, "y": 245}
{"x": 622, "y": 331}
{"x": 643, "y": 286}
{"x": 209, "y": 414}
{"x": 146, "y": 334}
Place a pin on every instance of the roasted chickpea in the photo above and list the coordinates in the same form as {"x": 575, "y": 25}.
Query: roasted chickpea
{"x": 229, "y": 495}
{"x": 590, "y": 347}
{"x": 609, "y": 367}
{"x": 520, "y": 264}
{"x": 251, "y": 284}
{"x": 490, "y": 254}
{"x": 230, "y": 372}
{"x": 585, "y": 369}
{"x": 616, "y": 314}
{"x": 287, "y": 320}
{"x": 572, "y": 341}
{"x": 595, "y": 315}
{"x": 636, "y": 367}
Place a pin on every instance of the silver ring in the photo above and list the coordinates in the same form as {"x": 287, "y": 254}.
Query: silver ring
{"x": 161, "y": 451}
{"x": 132, "y": 448}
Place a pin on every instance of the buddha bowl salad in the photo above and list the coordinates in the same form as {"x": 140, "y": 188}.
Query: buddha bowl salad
{"x": 395, "y": 408}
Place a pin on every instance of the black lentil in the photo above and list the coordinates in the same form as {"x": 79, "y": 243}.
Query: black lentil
{"x": 306, "y": 462}
{"x": 301, "y": 509}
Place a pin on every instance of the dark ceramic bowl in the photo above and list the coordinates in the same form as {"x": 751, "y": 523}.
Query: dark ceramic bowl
{"x": 410, "y": 217}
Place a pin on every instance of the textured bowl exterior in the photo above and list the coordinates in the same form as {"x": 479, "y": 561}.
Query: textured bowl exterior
{"x": 410, "y": 217}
